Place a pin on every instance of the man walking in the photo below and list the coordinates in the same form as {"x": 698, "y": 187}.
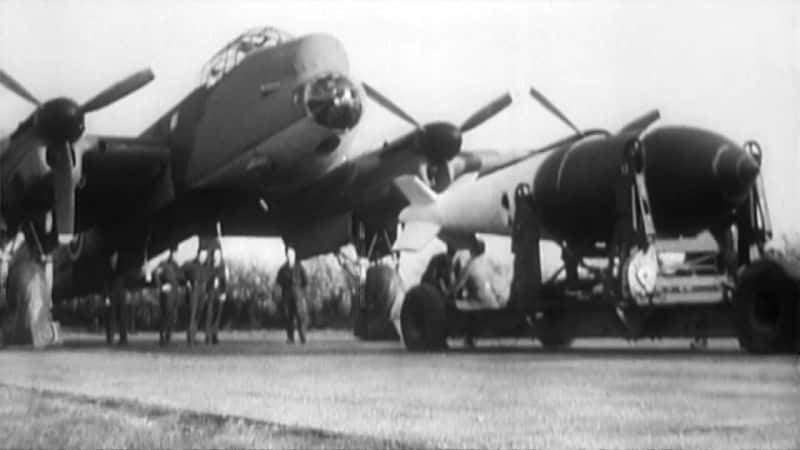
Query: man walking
{"x": 293, "y": 281}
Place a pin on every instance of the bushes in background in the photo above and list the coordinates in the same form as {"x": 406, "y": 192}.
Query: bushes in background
{"x": 253, "y": 300}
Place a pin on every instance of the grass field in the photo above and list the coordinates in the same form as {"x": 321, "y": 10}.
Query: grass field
{"x": 36, "y": 419}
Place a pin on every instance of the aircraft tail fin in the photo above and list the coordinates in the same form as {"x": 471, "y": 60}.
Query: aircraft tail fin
{"x": 415, "y": 190}
{"x": 415, "y": 236}
{"x": 420, "y": 218}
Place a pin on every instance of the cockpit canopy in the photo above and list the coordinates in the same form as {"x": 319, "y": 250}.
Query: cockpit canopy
{"x": 234, "y": 53}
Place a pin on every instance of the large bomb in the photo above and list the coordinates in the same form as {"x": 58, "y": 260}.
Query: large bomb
{"x": 695, "y": 178}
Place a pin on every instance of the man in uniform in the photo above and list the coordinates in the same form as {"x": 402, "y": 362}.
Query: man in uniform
{"x": 197, "y": 276}
{"x": 116, "y": 310}
{"x": 167, "y": 277}
{"x": 476, "y": 278}
{"x": 293, "y": 281}
{"x": 217, "y": 284}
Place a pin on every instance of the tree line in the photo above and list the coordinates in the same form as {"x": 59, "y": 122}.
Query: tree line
{"x": 253, "y": 300}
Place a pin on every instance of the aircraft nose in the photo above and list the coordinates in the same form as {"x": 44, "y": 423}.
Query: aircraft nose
{"x": 735, "y": 170}
{"x": 334, "y": 102}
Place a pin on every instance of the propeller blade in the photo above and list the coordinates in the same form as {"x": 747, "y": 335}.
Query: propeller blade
{"x": 487, "y": 112}
{"x": 637, "y": 126}
{"x": 118, "y": 90}
{"x": 380, "y": 99}
{"x": 63, "y": 191}
{"x": 497, "y": 165}
{"x": 13, "y": 86}
{"x": 539, "y": 97}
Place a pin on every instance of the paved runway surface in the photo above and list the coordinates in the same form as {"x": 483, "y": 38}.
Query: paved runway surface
{"x": 506, "y": 393}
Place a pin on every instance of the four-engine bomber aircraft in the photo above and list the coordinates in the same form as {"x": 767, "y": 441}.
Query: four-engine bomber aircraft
{"x": 622, "y": 198}
{"x": 262, "y": 146}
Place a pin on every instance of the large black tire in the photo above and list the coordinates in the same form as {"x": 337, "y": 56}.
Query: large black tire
{"x": 423, "y": 319}
{"x": 555, "y": 332}
{"x": 381, "y": 288}
{"x": 765, "y": 301}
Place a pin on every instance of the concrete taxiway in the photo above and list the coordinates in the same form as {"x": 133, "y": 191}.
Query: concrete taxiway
{"x": 506, "y": 393}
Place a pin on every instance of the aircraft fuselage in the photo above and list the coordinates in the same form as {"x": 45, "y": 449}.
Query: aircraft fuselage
{"x": 277, "y": 121}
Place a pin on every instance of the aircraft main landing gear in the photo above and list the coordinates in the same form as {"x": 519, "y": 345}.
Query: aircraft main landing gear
{"x": 381, "y": 285}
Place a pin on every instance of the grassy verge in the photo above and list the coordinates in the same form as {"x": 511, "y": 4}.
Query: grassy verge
{"x": 41, "y": 419}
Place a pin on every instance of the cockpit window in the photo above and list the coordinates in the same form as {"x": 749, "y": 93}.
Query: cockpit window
{"x": 234, "y": 53}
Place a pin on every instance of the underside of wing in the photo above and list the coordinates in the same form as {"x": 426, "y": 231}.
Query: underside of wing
{"x": 120, "y": 177}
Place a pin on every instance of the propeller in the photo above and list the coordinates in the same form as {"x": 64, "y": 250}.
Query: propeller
{"x": 389, "y": 105}
{"x": 63, "y": 161}
{"x": 638, "y": 125}
{"x": 60, "y": 122}
{"x": 440, "y": 142}
{"x": 548, "y": 105}
{"x": 635, "y": 127}
{"x": 486, "y": 163}
{"x": 118, "y": 90}
{"x": 12, "y": 85}
{"x": 487, "y": 112}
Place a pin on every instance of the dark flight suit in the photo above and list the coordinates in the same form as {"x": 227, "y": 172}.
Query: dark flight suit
{"x": 116, "y": 310}
{"x": 217, "y": 284}
{"x": 197, "y": 275}
{"x": 293, "y": 281}
{"x": 439, "y": 272}
{"x": 168, "y": 275}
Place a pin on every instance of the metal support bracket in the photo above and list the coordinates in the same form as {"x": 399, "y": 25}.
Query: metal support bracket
{"x": 526, "y": 285}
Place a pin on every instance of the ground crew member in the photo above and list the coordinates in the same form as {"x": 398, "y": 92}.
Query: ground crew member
{"x": 293, "y": 281}
{"x": 476, "y": 278}
{"x": 115, "y": 308}
{"x": 197, "y": 275}
{"x": 168, "y": 275}
{"x": 440, "y": 272}
{"x": 217, "y": 285}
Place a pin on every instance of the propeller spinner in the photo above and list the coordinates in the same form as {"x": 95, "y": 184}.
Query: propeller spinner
{"x": 59, "y": 123}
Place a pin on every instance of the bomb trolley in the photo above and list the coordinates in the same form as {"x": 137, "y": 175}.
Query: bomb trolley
{"x": 629, "y": 286}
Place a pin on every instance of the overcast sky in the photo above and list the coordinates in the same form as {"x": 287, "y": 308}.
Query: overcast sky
{"x": 732, "y": 66}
